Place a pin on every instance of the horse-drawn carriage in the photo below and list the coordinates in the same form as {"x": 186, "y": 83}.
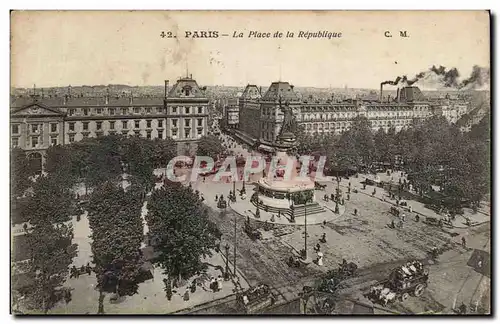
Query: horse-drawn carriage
{"x": 319, "y": 186}
{"x": 256, "y": 298}
{"x": 410, "y": 278}
{"x": 252, "y": 232}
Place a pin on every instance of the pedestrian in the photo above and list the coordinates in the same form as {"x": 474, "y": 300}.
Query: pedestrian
{"x": 343, "y": 201}
{"x": 320, "y": 258}
{"x": 392, "y": 224}
{"x": 355, "y": 211}
{"x": 219, "y": 283}
{"x": 186, "y": 295}
{"x": 82, "y": 269}
{"x": 213, "y": 284}
{"x": 216, "y": 198}
{"x": 348, "y": 196}
{"x": 463, "y": 242}
{"x": 324, "y": 223}
{"x": 410, "y": 208}
{"x": 417, "y": 218}
{"x": 67, "y": 296}
{"x": 403, "y": 218}
{"x": 89, "y": 269}
{"x": 74, "y": 271}
{"x": 193, "y": 286}
{"x": 317, "y": 248}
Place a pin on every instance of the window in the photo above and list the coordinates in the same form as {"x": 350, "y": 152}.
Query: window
{"x": 148, "y": 110}
{"x": 174, "y": 133}
{"x": 200, "y": 122}
{"x": 199, "y": 131}
{"x": 15, "y": 129}
{"x": 160, "y": 123}
{"x": 111, "y": 111}
{"x": 85, "y": 135}
{"x": 186, "y": 133}
{"x": 124, "y": 111}
{"x": 111, "y": 125}
{"x": 148, "y": 123}
{"x": 187, "y": 110}
{"x": 124, "y": 124}
{"x": 34, "y": 128}
{"x": 136, "y": 124}
{"x": 53, "y": 128}
{"x": 15, "y": 142}
{"x": 72, "y": 138}
{"x": 53, "y": 140}
{"x": 174, "y": 110}
{"x": 98, "y": 110}
{"x": 200, "y": 110}
{"x": 86, "y": 111}
{"x": 160, "y": 134}
{"x": 34, "y": 141}
{"x": 148, "y": 134}
{"x": 71, "y": 112}
{"x": 137, "y": 110}
{"x": 174, "y": 122}
{"x": 85, "y": 126}
{"x": 71, "y": 127}
{"x": 98, "y": 125}
{"x": 187, "y": 122}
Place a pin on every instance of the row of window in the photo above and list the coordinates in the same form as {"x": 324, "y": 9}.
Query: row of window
{"x": 34, "y": 128}
{"x": 37, "y": 141}
{"x": 54, "y": 127}
{"x": 127, "y": 110}
{"x": 136, "y": 123}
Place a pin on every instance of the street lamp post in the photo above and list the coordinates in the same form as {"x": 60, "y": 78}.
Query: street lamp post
{"x": 305, "y": 231}
{"x": 234, "y": 251}
{"x": 227, "y": 262}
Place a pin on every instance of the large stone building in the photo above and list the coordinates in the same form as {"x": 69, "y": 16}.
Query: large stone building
{"x": 249, "y": 112}
{"x": 39, "y": 121}
{"x": 323, "y": 117}
{"x": 231, "y": 113}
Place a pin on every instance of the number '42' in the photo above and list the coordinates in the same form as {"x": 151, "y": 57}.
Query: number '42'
{"x": 167, "y": 34}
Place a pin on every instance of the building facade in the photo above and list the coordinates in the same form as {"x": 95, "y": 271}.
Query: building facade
{"x": 232, "y": 112}
{"x": 249, "y": 115}
{"x": 330, "y": 116}
{"x": 41, "y": 121}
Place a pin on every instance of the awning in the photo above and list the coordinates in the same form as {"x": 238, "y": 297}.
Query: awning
{"x": 266, "y": 148}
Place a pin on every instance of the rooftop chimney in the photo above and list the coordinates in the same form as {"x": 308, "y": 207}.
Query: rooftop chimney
{"x": 107, "y": 96}
{"x": 69, "y": 90}
{"x": 166, "y": 89}
{"x": 131, "y": 98}
{"x": 381, "y": 91}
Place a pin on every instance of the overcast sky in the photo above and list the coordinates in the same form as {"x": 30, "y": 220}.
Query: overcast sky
{"x": 89, "y": 48}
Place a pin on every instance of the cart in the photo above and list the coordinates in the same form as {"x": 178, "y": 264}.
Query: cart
{"x": 408, "y": 279}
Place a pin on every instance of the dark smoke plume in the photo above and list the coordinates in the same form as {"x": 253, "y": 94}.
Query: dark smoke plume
{"x": 448, "y": 78}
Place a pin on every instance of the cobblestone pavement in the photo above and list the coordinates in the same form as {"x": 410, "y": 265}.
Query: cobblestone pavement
{"x": 365, "y": 239}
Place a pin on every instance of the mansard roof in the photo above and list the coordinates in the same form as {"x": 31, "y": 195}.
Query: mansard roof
{"x": 186, "y": 88}
{"x": 281, "y": 89}
{"x": 251, "y": 92}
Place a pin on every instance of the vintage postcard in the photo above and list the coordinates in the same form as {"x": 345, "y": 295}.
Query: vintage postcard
{"x": 250, "y": 162}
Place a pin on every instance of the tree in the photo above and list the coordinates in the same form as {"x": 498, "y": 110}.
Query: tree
{"x": 49, "y": 203}
{"x": 138, "y": 155}
{"x": 117, "y": 232}
{"x": 104, "y": 161}
{"x": 19, "y": 166}
{"x": 210, "y": 146}
{"x": 180, "y": 230}
{"x": 164, "y": 151}
{"x": 50, "y": 253}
